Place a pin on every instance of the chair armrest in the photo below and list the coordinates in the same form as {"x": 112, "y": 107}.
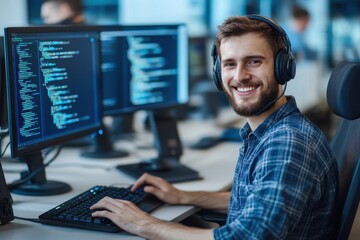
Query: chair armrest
{"x": 213, "y": 216}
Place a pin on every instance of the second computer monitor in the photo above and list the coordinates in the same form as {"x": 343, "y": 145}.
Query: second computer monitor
{"x": 144, "y": 67}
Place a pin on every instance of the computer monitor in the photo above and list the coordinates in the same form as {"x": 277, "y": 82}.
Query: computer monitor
{"x": 3, "y": 105}
{"x": 3, "y": 102}
{"x": 148, "y": 64}
{"x": 53, "y": 86}
{"x": 145, "y": 67}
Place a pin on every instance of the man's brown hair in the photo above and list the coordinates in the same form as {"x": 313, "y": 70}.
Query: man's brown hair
{"x": 239, "y": 25}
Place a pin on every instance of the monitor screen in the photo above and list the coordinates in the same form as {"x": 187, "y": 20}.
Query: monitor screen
{"x": 49, "y": 93}
{"x": 199, "y": 56}
{"x": 53, "y": 82}
{"x": 144, "y": 67}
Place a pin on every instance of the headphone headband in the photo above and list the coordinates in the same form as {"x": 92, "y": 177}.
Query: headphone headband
{"x": 275, "y": 26}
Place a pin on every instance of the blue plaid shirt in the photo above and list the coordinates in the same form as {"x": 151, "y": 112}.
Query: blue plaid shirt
{"x": 285, "y": 182}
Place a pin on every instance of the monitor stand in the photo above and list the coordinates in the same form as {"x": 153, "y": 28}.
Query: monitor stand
{"x": 168, "y": 144}
{"x": 79, "y": 142}
{"x": 122, "y": 126}
{"x": 104, "y": 147}
{"x": 37, "y": 185}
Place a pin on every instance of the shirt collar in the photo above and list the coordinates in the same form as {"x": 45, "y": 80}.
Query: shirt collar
{"x": 285, "y": 110}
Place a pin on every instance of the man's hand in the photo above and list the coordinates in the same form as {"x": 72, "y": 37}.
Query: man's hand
{"x": 168, "y": 193}
{"x": 124, "y": 214}
{"x": 159, "y": 188}
{"x": 133, "y": 220}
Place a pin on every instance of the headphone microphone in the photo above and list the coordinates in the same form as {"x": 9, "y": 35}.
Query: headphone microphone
{"x": 284, "y": 62}
{"x": 270, "y": 104}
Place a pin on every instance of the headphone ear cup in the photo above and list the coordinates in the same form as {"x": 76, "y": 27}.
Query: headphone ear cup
{"x": 217, "y": 74}
{"x": 284, "y": 67}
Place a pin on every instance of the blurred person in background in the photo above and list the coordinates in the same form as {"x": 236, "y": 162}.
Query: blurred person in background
{"x": 299, "y": 22}
{"x": 319, "y": 113}
{"x": 62, "y": 12}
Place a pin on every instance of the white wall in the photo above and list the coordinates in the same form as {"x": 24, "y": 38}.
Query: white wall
{"x": 12, "y": 13}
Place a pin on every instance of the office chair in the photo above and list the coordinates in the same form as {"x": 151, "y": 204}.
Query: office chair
{"x": 343, "y": 95}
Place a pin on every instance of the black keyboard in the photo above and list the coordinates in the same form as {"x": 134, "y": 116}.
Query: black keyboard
{"x": 76, "y": 211}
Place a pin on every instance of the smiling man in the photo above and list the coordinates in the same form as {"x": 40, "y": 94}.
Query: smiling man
{"x": 286, "y": 179}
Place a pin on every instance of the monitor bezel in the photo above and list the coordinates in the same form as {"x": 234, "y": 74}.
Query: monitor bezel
{"x": 3, "y": 98}
{"x": 153, "y": 106}
{"x": 10, "y": 87}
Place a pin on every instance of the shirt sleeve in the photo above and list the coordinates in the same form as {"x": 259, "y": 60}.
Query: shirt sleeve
{"x": 281, "y": 181}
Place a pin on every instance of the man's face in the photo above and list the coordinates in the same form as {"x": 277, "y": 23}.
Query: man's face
{"x": 247, "y": 70}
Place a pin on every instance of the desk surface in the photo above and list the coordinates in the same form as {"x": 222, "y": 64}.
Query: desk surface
{"x": 215, "y": 165}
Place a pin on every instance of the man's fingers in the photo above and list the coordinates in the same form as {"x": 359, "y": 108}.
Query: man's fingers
{"x": 146, "y": 179}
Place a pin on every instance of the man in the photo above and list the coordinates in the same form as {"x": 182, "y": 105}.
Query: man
{"x": 62, "y": 12}
{"x": 285, "y": 182}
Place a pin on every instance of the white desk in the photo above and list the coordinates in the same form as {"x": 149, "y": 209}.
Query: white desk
{"x": 215, "y": 165}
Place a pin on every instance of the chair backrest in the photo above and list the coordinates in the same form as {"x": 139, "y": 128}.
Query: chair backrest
{"x": 343, "y": 96}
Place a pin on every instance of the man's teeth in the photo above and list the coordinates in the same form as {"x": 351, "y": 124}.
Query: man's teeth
{"x": 245, "y": 89}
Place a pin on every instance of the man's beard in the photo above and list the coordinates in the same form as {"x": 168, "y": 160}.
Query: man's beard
{"x": 249, "y": 110}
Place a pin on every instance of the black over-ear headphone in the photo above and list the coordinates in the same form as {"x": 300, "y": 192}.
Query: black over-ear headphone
{"x": 285, "y": 67}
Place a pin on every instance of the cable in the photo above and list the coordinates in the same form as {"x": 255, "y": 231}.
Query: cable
{"x": 48, "y": 151}
{"x": 33, "y": 173}
{"x": 35, "y": 220}
{"x": 7, "y": 145}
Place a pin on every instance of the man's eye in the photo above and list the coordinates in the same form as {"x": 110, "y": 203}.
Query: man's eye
{"x": 228, "y": 64}
{"x": 254, "y": 62}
